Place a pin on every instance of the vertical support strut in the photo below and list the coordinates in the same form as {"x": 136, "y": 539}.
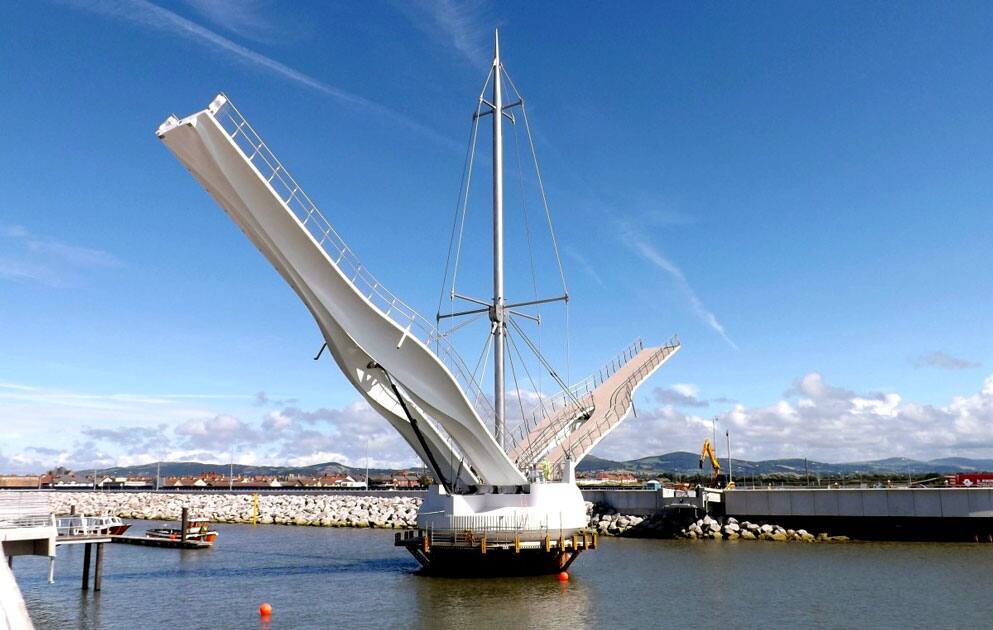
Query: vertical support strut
{"x": 86, "y": 566}
{"x": 497, "y": 312}
{"x": 435, "y": 468}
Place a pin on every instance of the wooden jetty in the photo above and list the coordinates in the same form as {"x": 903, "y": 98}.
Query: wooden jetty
{"x": 168, "y": 543}
{"x": 180, "y": 542}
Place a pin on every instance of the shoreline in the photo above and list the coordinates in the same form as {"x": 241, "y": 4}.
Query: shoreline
{"x": 320, "y": 510}
{"x": 273, "y": 509}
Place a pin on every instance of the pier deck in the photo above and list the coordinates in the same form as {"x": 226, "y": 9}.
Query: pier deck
{"x": 167, "y": 543}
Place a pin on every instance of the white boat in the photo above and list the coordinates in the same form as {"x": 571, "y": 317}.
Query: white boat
{"x": 505, "y": 501}
{"x": 81, "y": 525}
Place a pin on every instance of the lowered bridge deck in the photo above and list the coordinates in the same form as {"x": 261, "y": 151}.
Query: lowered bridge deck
{"x": 867, "y": 513}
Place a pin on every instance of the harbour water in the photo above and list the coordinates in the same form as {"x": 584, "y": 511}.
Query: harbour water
{"x": 355, "y": 578}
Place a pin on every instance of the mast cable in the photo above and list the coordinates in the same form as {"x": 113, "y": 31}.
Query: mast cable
{"x": 551, "y": 370}
{"x": 458, "y": 207}
{"x": 520, "y": 403}
{"x": 465, "y": 199}
{"x": 541, "y": 184}
{"x": 541, "y": 402}
{"x": 527, "y": 230}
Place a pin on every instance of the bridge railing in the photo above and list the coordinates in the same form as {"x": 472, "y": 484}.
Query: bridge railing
{"x": 620, "y": 404}
{"x": 292, "y": 195}
{"x": 540, "y": 433}
{"x": 24, "y": 509}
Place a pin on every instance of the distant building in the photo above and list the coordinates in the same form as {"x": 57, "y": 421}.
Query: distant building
{"x": 621, "y": 476}
{"x": 20, "y": 481}
{"x": 405, "y": 480}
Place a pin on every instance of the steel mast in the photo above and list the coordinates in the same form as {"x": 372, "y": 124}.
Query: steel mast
{"x": 497, "y": 310}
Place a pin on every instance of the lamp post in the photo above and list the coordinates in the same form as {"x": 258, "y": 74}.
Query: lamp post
{"x": 727, "y": 434}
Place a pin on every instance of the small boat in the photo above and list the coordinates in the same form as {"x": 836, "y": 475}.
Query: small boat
{"x": 81, "y": 525}
{"x": 195, "y": 530}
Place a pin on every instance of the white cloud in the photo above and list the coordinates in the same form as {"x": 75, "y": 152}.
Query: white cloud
{"x": 45, "y": 427}
{"x": 813, "y": 419}
{"x": 820, "y": 421}
{"x": 686, "y": 389}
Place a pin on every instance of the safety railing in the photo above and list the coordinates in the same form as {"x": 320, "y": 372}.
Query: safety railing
{"x": 541, "y": 431}
{"x": 464, "y": 528}
{"x": 620, "y": 404}
{"x": 286, "y": 188}
{"x": 24, "y": 509}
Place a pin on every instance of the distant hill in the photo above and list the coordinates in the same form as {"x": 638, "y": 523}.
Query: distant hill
{"x": 676, "y": 463}
{"x": 683, "y": 463}
{"x": 187, "y": 469}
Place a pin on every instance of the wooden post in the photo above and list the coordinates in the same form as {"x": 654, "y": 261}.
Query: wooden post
{"x": 184, "y": 523}
{"x": 86, "y": 566}
{"x": 72, "y": 510}
{"x": 98, "y": 568}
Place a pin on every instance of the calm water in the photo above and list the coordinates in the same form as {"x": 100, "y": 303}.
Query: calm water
{"x": 316, "y": 577}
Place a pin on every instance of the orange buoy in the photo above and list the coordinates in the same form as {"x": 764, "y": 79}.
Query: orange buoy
{"x": 563, "y": 577}
{"x": 265, "y": 610}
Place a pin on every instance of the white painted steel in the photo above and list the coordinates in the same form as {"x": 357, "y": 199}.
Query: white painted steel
{"x": 569, "y": 436}
{"x": 497, "y": 314}
{"x": 553, "y": 507}
{"x": 356, "y": 329}
{"x": 13, "y": 612}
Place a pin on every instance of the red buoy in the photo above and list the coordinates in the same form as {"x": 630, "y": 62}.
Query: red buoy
{"x": 265, "y": 610}
{"x": 563, "y": 577}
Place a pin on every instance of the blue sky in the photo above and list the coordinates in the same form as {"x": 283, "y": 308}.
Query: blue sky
{"x": 802, "y": 191}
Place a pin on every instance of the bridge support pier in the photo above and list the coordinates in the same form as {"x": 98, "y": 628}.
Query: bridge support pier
{"x": 98, "y": 569}
{"x": 86, "y": 566}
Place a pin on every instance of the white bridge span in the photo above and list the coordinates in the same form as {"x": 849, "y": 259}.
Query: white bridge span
{"x": 394, "y": 357}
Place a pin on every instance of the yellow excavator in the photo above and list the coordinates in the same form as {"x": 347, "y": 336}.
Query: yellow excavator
{"x": 708, "y": 451}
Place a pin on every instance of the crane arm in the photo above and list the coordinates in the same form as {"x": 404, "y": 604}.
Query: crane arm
{"x": 708, "y": 451}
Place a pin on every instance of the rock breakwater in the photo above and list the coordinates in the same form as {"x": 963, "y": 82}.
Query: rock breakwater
{"x": 313, "y": 510}
{"x": 608, "y": 522}
{"x": 730, "y": 529}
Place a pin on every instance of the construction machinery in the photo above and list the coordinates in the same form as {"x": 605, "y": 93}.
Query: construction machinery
{"x": 708, "y": 451}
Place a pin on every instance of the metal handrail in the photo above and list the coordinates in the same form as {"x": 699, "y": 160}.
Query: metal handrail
{"x": 293, "y": 197}
{"x": 620, "y": 407}
{"x": 559, "y": 423}
{"x": 24, "y": 509}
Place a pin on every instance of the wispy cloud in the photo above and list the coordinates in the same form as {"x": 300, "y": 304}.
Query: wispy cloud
{"x": 33, "y": 258}
{"x": 945, "y": 361}
{"x": 583, "y": 264}
{"x": 462, "y": 26}
{"x": 650, "y": 253}
{"x": 153, "y": 17}
{"x": 247, "y": 19}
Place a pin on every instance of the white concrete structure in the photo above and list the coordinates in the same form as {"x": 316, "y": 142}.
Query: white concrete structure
{"x": 27, "y": 528}
{"x": 13, "y": 612}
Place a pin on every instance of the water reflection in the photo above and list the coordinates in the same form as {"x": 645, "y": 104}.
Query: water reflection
{"x": 531, "y": 602}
